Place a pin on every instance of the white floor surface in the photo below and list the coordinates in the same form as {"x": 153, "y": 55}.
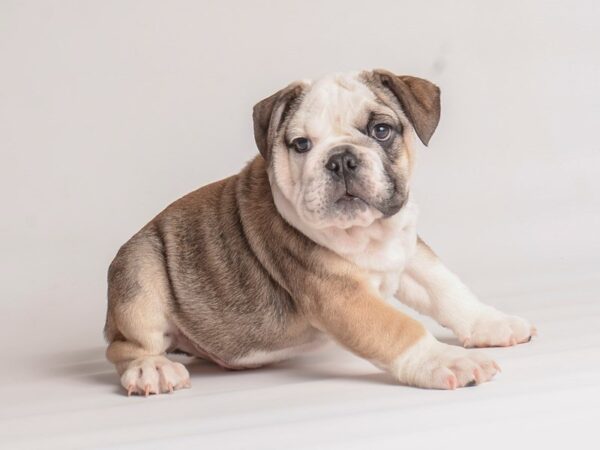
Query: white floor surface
{"x": 548, "y": 396}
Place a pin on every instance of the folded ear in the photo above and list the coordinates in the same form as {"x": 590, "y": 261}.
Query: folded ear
{"x": 419, "y": 99}
{"x": 270, "y": 114}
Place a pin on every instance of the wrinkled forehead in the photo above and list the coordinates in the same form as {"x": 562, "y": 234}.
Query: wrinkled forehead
{"x": 334, "y": 103}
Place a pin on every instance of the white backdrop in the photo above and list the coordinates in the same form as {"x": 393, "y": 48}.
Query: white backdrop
{"x": 110, "y": 110}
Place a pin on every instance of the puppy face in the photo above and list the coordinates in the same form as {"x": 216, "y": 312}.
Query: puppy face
{"x": 339, "y": 149}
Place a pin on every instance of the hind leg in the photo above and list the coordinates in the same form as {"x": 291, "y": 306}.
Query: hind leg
{"x": 138, "y": 327}
{"x": 154, "y": 375}
{"x": 145, "y": 370}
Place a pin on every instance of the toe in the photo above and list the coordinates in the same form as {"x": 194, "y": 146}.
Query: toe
{"x": 488, "y": 367}
{"x": 148, "y": 381}
{"x": 443, "y": 378}
{"x": 167, "y": 377}
{"x": 466, "y": 370}
{"x": 183, "y": 376}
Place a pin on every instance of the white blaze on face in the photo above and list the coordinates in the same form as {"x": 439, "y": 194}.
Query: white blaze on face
{"x": 331, "y": 113}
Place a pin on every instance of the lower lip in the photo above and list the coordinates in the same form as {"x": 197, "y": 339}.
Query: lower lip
{"x": 348, "y": 198}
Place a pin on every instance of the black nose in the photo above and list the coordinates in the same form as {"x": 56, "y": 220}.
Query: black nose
{"x": 342, "y": 162}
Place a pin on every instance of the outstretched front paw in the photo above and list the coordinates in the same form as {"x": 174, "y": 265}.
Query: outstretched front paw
{"x": 492, "y": 328}
{"x": 432, "y": 364}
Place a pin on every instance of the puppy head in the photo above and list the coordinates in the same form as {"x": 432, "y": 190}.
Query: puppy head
{"x": 339, "y": 149}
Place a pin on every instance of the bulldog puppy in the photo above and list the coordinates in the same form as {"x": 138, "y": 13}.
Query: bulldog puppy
{"x": 309, "y": 240}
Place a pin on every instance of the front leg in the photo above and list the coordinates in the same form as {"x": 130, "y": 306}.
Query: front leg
{"x": 429, "y": 287}
{"x": 393, "y": 341}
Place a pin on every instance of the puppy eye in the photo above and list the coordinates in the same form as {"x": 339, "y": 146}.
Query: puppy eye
{"x": 301, "y": 144}
{"x": 381, "y": 132}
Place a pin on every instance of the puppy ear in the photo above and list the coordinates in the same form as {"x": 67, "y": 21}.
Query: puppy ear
{"x": 269, "y": 114}
{"x": 419, "y": 98}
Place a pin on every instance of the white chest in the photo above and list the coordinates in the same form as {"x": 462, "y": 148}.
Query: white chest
{"x": 381, "y": 249}
{"x": 385, "y": 250}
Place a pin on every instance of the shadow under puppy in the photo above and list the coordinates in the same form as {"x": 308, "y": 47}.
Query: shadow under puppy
{"x": 307, "y": 241}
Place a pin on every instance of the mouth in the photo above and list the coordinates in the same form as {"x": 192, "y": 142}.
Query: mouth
{"x": 349, "y": 198}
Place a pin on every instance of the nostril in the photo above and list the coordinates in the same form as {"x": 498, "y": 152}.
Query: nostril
{"x": 332, "y": 166}
{"x": 351, "y": 163}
